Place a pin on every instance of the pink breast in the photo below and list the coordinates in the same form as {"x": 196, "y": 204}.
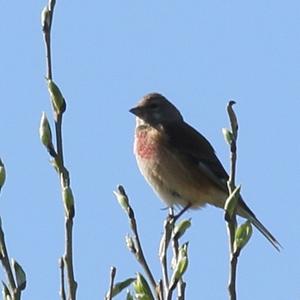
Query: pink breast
{"x": 145, "y": 146}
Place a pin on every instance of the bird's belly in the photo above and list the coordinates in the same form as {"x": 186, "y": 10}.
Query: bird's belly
{"x": 175, "y": 184}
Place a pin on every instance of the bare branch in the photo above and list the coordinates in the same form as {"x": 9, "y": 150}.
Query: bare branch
{"x": 138, "y": 250}
{"x": 15, "y": 294}
{"x": 68, "y": 258}
{"x": 62, "y": 279}
{"x": 164, "y": 244}
{"x": 231, "y": 220}
{"x": 113, "y": 271}
{"x": 67, "y": 264}
{"x": 16, "y": 277}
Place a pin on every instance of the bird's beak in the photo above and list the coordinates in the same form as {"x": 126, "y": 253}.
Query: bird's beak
{"x": 135, "y": 110}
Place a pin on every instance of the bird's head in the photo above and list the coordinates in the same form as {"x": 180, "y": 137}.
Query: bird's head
{"x": 155, "y": 109}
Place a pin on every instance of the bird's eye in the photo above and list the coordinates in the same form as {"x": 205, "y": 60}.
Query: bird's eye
{"x": 153, "y": 106}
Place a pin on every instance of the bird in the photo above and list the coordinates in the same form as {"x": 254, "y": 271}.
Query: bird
{"x": 179, "y": 163}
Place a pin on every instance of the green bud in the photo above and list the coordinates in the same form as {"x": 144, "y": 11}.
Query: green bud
{"x": 242, "y": 236}
{"x": 119, "y": 287}
{"x": 181, "y": 228}
{"x": 181, "y": 265}
{"x": 19, "y": 274}
{"x": 122, "y": 198}
{"x": 130, "y": 244}
{"x": 45, "y": 132}
{"x": 163, "y": 246}
{"x": 231, "y": 202}
{"x": 142, "y": 288}
{"x": 55, "y": 164}
{"x": 228, "y": 136}
{"x": 68, "y": 200}
{"x": 58, "y": 167}
{"x": 2, "y": 174}
{"x": 57, "y": 99}
{"x": 165, "y": 240}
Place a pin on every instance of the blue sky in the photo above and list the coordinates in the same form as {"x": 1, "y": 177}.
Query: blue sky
{"x": 107, "y": 55}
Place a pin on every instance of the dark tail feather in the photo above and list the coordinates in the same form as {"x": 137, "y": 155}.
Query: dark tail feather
{"x": 246, "y": 212}
{"x": 268, "y": 235}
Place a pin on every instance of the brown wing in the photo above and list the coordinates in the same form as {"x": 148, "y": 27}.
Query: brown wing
{"x": 197, "y": 149}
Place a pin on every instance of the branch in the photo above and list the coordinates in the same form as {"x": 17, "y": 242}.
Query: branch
{"x": 113, "y": 271}
{"x": 233, "y": 146}
{"x": 7, "y": 267}
{"x": 181, "y": 284}
{"x": 62, "y": 279}
{"x": 16, "y": 283}
{"x": 135, "y": 245}
{"x": 47, "y": 16}
{"x": 59, "y": 106}
{"x": 164, "y": 244}
{"x": 68, "y": 258}
{"x": 231, "y": 217}
{"x": 173, "y": 233}
{"x": 140, "y": 253}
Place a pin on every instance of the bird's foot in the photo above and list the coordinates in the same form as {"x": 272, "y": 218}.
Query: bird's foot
{"x": 177, "y": 216}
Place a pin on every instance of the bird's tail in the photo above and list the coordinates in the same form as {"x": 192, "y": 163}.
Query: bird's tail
{"x": 268, "y": 235}
{"x": 246, "y": 212}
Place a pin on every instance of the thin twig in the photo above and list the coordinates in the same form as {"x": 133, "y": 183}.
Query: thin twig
{"x": 161, "y": 290}
{"x": 233, "y": 146}
{"x": 64, "y": 174}
{"x": 232, "y": 222}
{"x": 232, "y": 275}
{"x": 173, "y": 218}
{"x": 59, "y": 144}
{"x": 181, "y": 290}
{"x": 62, "y": 279}
{"x": 175, "y": 246}
{"x": 113, "y": 271}
{"x": 15, "y": 284}
{"x": 47, "y": 24}
{"x": 181, "y": 284}
{"x": 139, "y": 253}
{"x": 233, "y": 261}
{"x": 14, "y": 291}
{"x": 170, "y": 289}
{"x": 68, "y": 258}
{"x": 164, "y": 244}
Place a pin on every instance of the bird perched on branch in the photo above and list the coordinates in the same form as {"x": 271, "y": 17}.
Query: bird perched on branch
{"x": 179, "y": 162}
